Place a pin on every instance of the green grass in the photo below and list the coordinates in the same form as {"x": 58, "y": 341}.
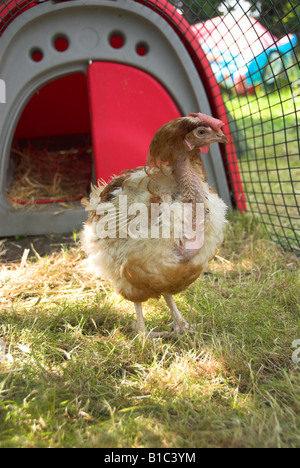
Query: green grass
{"x": 267, "y": 135}
{"x": 76, "y": 375}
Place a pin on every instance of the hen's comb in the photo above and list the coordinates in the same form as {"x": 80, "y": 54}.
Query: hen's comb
{"x": 215, "y": 124}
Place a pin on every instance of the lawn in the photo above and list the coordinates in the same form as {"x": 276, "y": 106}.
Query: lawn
{"x": 76, "y": 375}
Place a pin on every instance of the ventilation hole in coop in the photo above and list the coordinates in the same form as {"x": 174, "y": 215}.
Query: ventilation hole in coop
{"x": 51, "y": 155}
{"x": 61, "y": 43}
{"x": 36, "y": 55}
{"x": 117, "y": 40}
{"x": 142, "y": 49}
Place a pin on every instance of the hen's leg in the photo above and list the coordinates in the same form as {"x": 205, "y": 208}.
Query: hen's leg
{"x": 179, "y": 323}
{"x": 140, "y": 322}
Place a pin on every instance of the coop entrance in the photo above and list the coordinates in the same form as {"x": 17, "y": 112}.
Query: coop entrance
{"x": 85, "y": 41}
{"x": 51, "y": 157}
{"x": 51, "y": 153}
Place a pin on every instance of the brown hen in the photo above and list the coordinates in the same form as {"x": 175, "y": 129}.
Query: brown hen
{"x": 152, "y": 230}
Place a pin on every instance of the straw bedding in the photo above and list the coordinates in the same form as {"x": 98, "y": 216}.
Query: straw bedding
{"x": 41, "y": 176}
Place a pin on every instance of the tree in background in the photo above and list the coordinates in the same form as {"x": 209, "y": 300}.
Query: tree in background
{"x": 196, "y": 11}
{"x": 280, "y": 17}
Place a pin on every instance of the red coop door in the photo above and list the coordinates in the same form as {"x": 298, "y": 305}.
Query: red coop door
{"x": 120, "y": 105}
{"x": 127, "y": 107}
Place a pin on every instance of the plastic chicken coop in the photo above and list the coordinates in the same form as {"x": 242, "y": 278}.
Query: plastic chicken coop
{"x": 85, "y": 84}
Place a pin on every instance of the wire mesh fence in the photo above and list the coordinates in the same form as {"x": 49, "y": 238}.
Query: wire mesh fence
{"x": 252, "y": 49}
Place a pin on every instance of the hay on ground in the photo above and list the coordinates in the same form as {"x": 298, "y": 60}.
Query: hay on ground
{"x": 41, "y": 176}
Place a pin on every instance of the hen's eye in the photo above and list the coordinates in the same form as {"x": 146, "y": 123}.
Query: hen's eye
{"x": 201, "y": 132}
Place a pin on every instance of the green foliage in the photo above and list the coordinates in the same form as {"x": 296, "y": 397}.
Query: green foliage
{"x": 197, "y": 10}
{"x": 280, "y": 17}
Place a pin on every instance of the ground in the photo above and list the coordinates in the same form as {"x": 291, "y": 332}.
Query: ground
{"x": 75, "y": 374}
{"x": 12, "y": 248}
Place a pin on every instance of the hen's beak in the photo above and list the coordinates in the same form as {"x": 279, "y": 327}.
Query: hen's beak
{"x": 221, "y": 138}
{"x": 215, "y": 138}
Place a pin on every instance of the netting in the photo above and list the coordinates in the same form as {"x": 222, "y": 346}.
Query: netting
{"x": 248, "y": 52}
{"x": 252, "y": 49}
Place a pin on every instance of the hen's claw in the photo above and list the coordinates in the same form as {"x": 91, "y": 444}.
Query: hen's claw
{"x": 175, "y": 328}
{"x": 183, "y": 327}
{"x": 153, "y": 334}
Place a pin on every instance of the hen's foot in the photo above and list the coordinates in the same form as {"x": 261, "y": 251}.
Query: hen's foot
{"x": 182, "y": 327}
{"x": 179, "y": 325}
{"x": 151, "y": 334}
{"x": 154, "y": 334}
{"x": 175, "y": 329}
